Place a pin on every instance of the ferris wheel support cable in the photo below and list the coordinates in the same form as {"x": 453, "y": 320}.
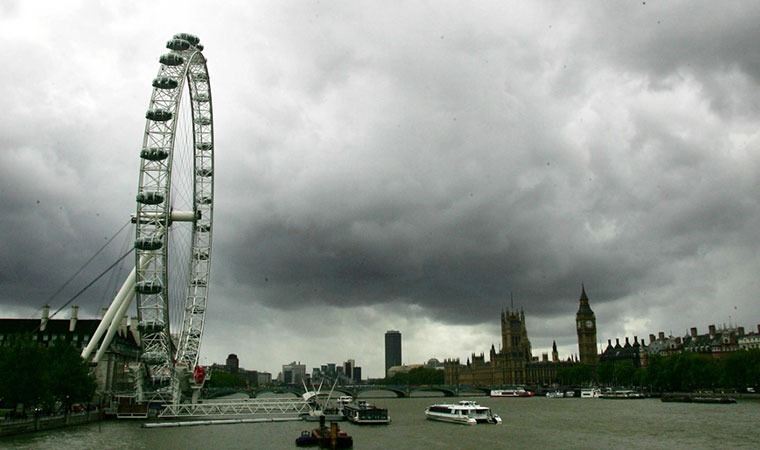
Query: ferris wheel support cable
{"x": 89, "y": 285}
{"x": 86, "y": 263}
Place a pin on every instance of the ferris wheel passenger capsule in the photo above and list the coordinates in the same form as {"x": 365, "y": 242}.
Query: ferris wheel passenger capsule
{"x": 150, "y": 198}
{"x": 201, "y": 255}
{"x": 178, "y": 44}
{"x": 154, "y": 153}
{"x": 148, "y": 243}
{"x": 191, "y": 38}
{"x": 171, "y": 59}
{"x": 158, "y": 115}
{"x": 165, "y": 83}
{"x": 148, "y": 287}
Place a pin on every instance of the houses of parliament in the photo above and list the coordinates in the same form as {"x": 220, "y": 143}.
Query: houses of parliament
{"x": 514, "y": 363}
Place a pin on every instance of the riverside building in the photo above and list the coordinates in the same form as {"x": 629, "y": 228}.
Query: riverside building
{"x": 514, "y": 363}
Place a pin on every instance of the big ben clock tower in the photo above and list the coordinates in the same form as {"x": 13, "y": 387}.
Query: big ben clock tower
{"x": 585, "y": 321}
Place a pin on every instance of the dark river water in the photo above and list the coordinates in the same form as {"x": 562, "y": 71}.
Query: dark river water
{"x": 528, "y": 423}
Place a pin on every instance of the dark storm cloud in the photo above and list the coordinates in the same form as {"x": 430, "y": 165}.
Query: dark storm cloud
{"x": 464, "y": 187}
{"x": 411, "y": 165}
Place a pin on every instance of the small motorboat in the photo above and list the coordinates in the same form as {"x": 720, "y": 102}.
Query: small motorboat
{"x": 325, "y": 437}
{"x": 306, "y": 439}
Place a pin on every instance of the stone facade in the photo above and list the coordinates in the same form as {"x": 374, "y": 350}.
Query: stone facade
{"x": 514, "y": 363}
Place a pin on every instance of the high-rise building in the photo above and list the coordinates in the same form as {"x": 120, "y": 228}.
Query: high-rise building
{"x": 392, "y": 349}
{"x": 232, "y": 364}
{"x": 348, "y": 369}
{"x": 293, "y": 373}
{"x": 585, "y": 321}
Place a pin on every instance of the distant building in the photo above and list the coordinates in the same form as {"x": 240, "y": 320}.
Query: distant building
{"x": 750, "y": 341}
{"x": 293, "y": 373}
{"x": 585, "y": 322}
{"x": 628, "y": 352}
{"x": 514, "y": 363}
{"x": 112, "y": 374}
{"x": 264, "y": 378}
{"x": 347, "y": 373}
{"x": 406, "y": 368}
{"x": 392, "y": 349}
{"x": 232, "y": 363}
{"x": 433, "y": 363}
{"x": 348, "y": 369}
{"x": 717, "y": 342}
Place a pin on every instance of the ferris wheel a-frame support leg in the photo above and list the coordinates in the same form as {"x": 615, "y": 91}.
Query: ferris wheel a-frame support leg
{"x": 114, "y": 326}
{"x": 113, "y": 315}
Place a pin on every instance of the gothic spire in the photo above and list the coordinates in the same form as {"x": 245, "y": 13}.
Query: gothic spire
{"x": 584, "y": 307}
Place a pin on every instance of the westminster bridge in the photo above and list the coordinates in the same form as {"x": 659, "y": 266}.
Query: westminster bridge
{"x": 354, "y": 391}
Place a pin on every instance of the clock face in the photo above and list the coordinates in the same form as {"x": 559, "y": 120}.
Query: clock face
{"x": 589, "y": 324}
{"x": 580, "y": 324}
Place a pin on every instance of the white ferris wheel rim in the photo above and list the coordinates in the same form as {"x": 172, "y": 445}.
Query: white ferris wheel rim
{"x": 183, "y": 66}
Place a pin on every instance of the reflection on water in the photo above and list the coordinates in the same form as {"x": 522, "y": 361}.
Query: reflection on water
{"x": 528, "y": 423}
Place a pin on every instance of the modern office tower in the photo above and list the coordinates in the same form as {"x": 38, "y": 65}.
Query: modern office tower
{"x": 348, "y": 369}
{"x": 293, "y": 373}
{"x": 392, "y": 349}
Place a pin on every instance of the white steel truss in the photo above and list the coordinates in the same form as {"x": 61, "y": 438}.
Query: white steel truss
{"x": 249, "y": 408}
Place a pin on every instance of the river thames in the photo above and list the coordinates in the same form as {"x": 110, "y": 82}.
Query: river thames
{"x": 528, "y": 423}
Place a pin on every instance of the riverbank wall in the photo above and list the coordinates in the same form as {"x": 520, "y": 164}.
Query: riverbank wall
{"x": 8, "y": 428}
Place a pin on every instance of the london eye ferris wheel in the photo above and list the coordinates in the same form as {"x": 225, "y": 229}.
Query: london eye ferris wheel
{"x": 174, "y": 217}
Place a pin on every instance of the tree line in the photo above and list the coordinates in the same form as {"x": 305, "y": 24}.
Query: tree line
{"x": 49, "y": 378}
{"x": 417, "y": 376}
{"x": 683, "y": 372}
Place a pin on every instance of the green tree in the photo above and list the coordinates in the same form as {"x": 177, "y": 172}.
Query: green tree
{"x": 24, "y": 378}
{"x": 68, "y": 375}
{"x": 221, "y": 379}
{"x": 623, "y": 374}
{"x": 741, "y": 369}
{"x": 417, "y": 376}
{"x": 577, "y": 374}
{"x": 605, "y": 372}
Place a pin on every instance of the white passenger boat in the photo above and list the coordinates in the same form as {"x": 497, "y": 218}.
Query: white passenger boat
{"x": 518, "y": 391}
{"x": 555, "y": 394}
{"x": 465, "y": 412}
{"x": 362, "y": 413}
{"x": 590, "y": 393}
{"x": 626, "y": 394}
{"x": 344, "y": 400}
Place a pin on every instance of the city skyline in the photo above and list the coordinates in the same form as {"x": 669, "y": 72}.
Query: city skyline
{"x": 402, "y": 168}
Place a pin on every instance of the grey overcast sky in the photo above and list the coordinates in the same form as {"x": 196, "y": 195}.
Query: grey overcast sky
{"x": 403, "y": 165}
